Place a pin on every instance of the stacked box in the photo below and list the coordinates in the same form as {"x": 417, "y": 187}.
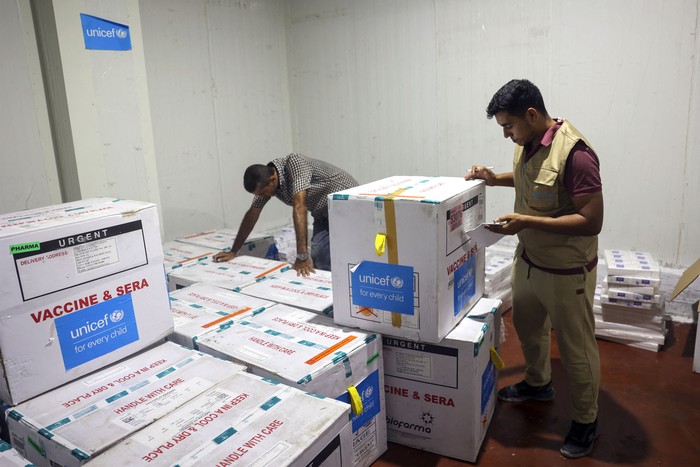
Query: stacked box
{"x": 441, "y": 397}
{"x": 629, "y": 306}
{"x": 262, "y": 246}
{"x": 231, "y": 275}
{"x": 406, "y": 267}
{"x": 177, "y": 254}
{"x": 10, "y": 457}
{"x": 202, "y": 308}
{"x": 83, "y": 286}
{"x": 311, "y": 293}
{"x": 308, "y": 351}
{"x": 71, "y": 424}
{"x": 245, "y": 420}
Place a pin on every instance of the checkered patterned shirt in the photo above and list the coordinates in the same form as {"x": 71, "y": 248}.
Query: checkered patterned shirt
{"x": 319, "y": 179}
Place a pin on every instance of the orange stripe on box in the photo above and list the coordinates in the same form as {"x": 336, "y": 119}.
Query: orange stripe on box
{"x": 270, "y": 270}
{"x": 200, "y": 234}
{"x": 224, "y": 318}
{"x": 330, "y": 350}
{"x": 193, "y": 258}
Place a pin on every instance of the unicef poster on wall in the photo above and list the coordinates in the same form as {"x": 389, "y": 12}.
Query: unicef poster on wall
{"x": 101, "y": 34}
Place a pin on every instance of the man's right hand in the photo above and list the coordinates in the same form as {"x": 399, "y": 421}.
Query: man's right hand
{"x": 222, "y": 256}
{"x": 482, "y": 173}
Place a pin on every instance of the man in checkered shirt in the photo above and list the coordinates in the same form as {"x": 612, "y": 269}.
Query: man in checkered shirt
{"x": 304, "y": 184}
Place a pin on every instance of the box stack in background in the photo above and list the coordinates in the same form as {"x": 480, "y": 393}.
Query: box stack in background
{"x": 312, "y": 293}
{"x": 245, "y": 420}
{"x": 203, "y": 308}
{"x": 71, "y": 424}
{"x": 259, "y": 246}
{"x": 308, "y": 351}
{"x": 441, "y": 397}
{"x": 406, "y": 267}
{"x": 629, "y": 307}
{"x": 9, "y": 457}
{"x": 177, "y": 254}
{"x": 83, "y": 286}
{"x": 231, "y": 275}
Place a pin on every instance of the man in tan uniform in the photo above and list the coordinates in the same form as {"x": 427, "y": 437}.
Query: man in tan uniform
{"x": 558, "y": 215}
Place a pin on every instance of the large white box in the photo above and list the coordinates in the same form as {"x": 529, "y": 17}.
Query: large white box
{"x": 441, "y": 397}
{"x": 308, "y": 351}
{"x": 222, "y": 239}
{"x": 71, "y": 424}
{"x": 177, "y": 254}
{"x": 245, "y": 420}
{"x": 402, "y": 262}
{"x": 231, "y": 275}
{"x": 202, "y": 308}
{"x": 83, "y": 286}
{"x": 312, "y": 293}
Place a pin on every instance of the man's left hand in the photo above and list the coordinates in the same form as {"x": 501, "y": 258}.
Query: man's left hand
{"x": 304, "y": 268}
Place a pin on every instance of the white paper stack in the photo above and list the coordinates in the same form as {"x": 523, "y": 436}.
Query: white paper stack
{"x": 497, "y": 277}
{"x": 313, "y": 293}
{"x": 231, "y": 275}
{"x": 286, "y": 244}
{"x": 629, "y": 306}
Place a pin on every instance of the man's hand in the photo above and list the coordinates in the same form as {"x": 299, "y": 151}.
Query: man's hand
{"x": 304, "y": 268}
{"x": 222, "y": 256}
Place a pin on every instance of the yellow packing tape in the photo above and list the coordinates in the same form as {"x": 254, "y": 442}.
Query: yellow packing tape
{"x": 496, "y": 358}
{"x": 355, "y": 401}
{"x": 380, "y": 244}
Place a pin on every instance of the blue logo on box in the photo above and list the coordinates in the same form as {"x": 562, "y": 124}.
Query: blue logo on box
{"x": 369, "y": 391}
{"x": 465, "y": 284}
{"x": 383, "y": 286}
{"x": 95, "y": 331}
{"x": 101, "y": 34}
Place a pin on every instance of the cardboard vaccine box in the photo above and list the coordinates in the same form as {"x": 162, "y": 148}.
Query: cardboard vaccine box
{"x": 262, "y": 246}
{"x": 177, "y": 254}
{"x": 308, "y": 351}
{"x": 202, "y": 308}
{"x": 9, "y": 457}
{"x": 246, "y": 420}
{"x": 83, "y": 286}
{"x": 231, "y": 275}
{"x": 71, "y": 424}
{"x": 312, "y": 293}
{"x": 406, "y": 266}
{"x": 441, "y": 397}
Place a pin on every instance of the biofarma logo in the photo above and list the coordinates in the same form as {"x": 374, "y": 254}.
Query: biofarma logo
{"x": 401, "y": 425}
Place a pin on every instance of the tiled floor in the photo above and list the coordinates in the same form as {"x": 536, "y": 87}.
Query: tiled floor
{"x": 649, "y": 412}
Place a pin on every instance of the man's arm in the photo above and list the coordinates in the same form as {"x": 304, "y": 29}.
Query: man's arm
{"x": 247, "y": 224}
{"x": 491, "y": 178}
{"x": 586, "y": 221}
{"x": 301, "y": 231}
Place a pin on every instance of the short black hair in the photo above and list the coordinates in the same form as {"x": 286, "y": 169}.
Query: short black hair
{"x": 515, "y": 97}
{"x": 257, "y": 176}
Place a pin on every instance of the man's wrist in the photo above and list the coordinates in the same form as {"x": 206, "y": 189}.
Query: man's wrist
{"x": 303, "y": 256}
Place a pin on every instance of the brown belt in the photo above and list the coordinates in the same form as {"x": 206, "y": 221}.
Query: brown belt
{"x": 562, "y": 272}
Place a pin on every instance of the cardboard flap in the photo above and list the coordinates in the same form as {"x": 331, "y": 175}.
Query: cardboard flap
{"x": 687, "y": 278}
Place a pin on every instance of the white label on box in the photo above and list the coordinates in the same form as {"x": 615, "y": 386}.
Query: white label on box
{"x": 469, "y": 214}
{"x": 81, "y": 258}
{"x": 417, "y": 361}
{"x": 414, "y": 365}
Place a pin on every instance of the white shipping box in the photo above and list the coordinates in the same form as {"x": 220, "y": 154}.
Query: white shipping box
{"x": 202, "y": 308}
{"x": 245, "y": 420}
{"x": 83, "y": 286}
{"x": 222, "y": 239}
{"x": 70, "y": 425}
{"x": 312, "y": 293}
{"x": 177, "y": 254}
{"x": 308, "y": 351}
{"x": 631, "y": 264}
{"x": 231, "y": 275}
{"x": 402, "y": 263}
{"x": 441, "y": 397}
{"x": 10, "y": 457}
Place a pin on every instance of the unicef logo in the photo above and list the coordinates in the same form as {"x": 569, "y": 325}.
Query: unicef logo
{"x": 116, "y": 316}
{"x": 121, "y": 33}
{"x": 397, "y": 282}
{"x": 367, "y": 393}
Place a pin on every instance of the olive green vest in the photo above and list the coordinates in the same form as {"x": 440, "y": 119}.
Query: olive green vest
{"x": 540, "y": 191}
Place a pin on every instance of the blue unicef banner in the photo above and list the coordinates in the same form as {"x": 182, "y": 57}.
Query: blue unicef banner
{"x": 383, "y": 286}
{"x": 95, "y": 331}
{"x": 465, "y": 283}
{"x": 101, "y": 34}
{"x": 369, "y": 392}
{"x": 488, "y": 381}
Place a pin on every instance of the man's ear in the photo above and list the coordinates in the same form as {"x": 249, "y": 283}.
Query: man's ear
{"x": 532, "y": 115}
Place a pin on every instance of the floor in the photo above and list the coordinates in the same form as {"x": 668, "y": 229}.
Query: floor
{"x": 649, "y": 412}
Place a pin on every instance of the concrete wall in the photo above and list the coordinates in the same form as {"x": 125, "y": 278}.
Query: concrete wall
{"x": 384, "y": 88}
